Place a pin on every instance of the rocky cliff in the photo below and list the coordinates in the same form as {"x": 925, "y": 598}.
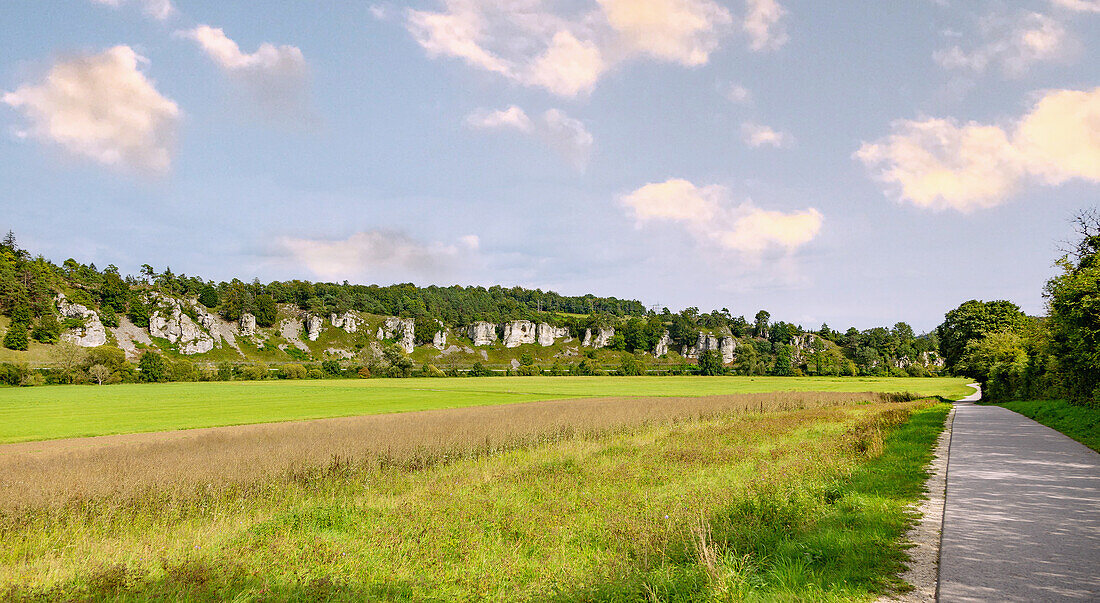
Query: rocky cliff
{"x": 313, "y": 327}
{"x": 246, "y": 325}
{"x": 482, "y": 333}
{"x": 518, "y": 332}
{"x": 725, "y": 345}
{"x": 93, "y": 333}
{"x": 170, "y": 322}
{"x": 401, "y": 329}
{"x": 348, "y": 321}
{"x": 547, "y": 334}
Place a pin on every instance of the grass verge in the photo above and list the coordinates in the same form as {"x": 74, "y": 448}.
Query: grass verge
{"x": 797, "y": 505}
{"x": 1081, "y": 423}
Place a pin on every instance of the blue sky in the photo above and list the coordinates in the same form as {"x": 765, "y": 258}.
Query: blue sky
{"x": 857, "y": 163}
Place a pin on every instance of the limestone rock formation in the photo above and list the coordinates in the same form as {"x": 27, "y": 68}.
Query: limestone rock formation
{"x": 439, "y": 340}
{"x": 247, "y": 325}
{"x": 662, "y": 345}
{"x": 291, "y": 330}
{"x": 800, "y": 344}
{"x": 347, "y": 321}
{"x": 482, "y": 333}
{"x": 170, "y": 322}
{"x": 546, "y": 335}
{"x": 93, "y": 334}
{"x": 401, "y": 329}
{"x": 727, "y": 345}
{"x": 313, "y": 327}
{"x": 518, "y": 332}
{"x": 598, "y": 340}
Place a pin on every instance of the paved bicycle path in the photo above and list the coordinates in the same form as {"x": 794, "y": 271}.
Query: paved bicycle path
{"x": 1022, "y": 515}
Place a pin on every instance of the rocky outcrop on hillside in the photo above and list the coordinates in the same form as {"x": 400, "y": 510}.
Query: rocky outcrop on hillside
{"x": 482, "y": 333}
{"x": 662, "y": 344}
{"x": 347, "y": 321}
{"x": 127, "y": 334}
{"x": 599, "y": 339}
{"x": 439, "y": 340}
{"x": 169, "y": 321}
{"x": 518, "y": 332}
{"x": 725, "y": 345}
{"x": 801, "y": 345}
{"x": 401, "y": 329}
{"x": 247, "y": 325}
{"x": 92, "y": 334}
{"x": 291, "y": 330}
{"x": 313, "y": 327}
{"x": 547, "y": 334}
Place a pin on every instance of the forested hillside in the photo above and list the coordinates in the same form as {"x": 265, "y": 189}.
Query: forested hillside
{"x": 390, "y": 330}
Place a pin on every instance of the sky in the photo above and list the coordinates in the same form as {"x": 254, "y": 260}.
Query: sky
{"x": 856, "y": 163}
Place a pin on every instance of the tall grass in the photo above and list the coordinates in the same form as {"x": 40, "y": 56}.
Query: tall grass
{"x": 70, "y": 471}
{"x": 803, "y": 504}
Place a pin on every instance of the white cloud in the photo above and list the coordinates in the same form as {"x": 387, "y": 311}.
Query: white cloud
{"x": 376, "y": 255}
{"x": 276, "y": 77}
{"x": 102, "y": 107}
{"x": 566, "y": 135}
{"x": 739, "y": 94}
{"x": 709, "y": 215}
{"x": 939, "y": 164}
{"x": 1084, "y": 6}
{"x": 680, "y": 31}
{"x": 1011, "y": 45}
{"x": 512, "y": 117}
{"x": 758, "y": 135}
{"x": 763, "y": 24}
{"x": 567, "y": 49}
{"x": 157, "y": 9}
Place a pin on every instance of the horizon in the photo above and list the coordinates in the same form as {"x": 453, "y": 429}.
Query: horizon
{"x": 746, "y": 155}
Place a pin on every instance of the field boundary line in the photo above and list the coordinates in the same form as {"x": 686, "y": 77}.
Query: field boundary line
{"x": 926, "y": 537}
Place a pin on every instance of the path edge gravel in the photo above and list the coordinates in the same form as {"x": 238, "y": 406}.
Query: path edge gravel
{"x": 925, "y": 538}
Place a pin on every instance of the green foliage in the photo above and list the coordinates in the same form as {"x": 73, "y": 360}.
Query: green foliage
{"x": 973, "y": 320}
{"x": 526, "y": 359}
{"x": 479, "y": 370}
{"x": 265, "y": 310}
{"x": 138, "y": 310}
{"x": 16, "y": 337}
{"x": 108, "y": 317}
{"x": 710, "y": 363}
{"x": 632, "y": 365}
{"x": 293, "y": 371}
{"x": 1075, "y": 315}
{"x": 398, "y": 364}
{"x": 331, "y": 367}
{"x": 153, "y": 367}
{"x": 209, "y": 297}
{"x": 47, "y": 330}
{"x": 783, "y": 362}
{"x": 253, "y": 372}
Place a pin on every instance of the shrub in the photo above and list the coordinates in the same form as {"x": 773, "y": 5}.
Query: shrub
{"x": 48, "y": 330}
{"x": 209, "y": 297}
{"x": 479, "y": 370}
{"x": 528, "y": 371}
{"x": 225, "y": 371}
{"x": 710, "y": 363}
{"x": 253, "y": 372}
{"x": 293, "y": 371}
{"x": 108, "y": 316}
{"x": 363, "y": 372}
{"x": 16, "y": 338}
{"x": 32, "y": 379}
{"x": 316, "y": 374}
{"x": 153, "y": 367}
{"x": 12, "y": 374}
{"x": 183, "y": 370}
{"x": 332, "y": 367}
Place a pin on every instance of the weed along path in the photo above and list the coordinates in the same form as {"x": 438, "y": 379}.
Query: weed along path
{"x": 1022, "y": 517}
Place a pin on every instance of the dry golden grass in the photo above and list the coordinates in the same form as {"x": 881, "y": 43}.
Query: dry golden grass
{"x": 59, "y": 472}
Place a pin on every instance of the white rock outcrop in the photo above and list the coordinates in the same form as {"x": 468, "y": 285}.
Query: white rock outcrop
{"x": 93, "y": 334}
{"x": 170, "y": 322}
{"x": 247, "y": 325}
{"x": 662, "y": 345}
{"x": 546, "y": 335}
{"x": 313, "y": 327}
{"x": 482, "y": 333}
{"x": 291, "y": 330}
{"x": 401, "y": 329}
{"x": 706, "y": 342}
{"x": 518, "y": 332}
{"x": 800, "y": 344}
{"x": 439, "y": 340}
{"x": 347, "y": 321}
{"x": 727, "y": 346}
{"x": 599, "y": 339}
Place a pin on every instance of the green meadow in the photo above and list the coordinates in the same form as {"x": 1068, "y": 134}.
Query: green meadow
{"x": 41, "y": 413}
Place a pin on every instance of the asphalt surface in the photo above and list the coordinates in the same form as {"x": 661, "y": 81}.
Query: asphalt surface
{"x": 1022, "y": 515}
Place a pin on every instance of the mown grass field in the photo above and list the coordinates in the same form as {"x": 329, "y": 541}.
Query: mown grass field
{"x": 40, "y": 413}
{"x": 785, "y": 505}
